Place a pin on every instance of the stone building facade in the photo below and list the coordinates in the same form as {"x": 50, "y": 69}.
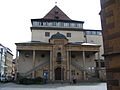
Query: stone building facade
{"x": 60, "y": 50}
{"x": 6, "y": 58}
{"x": 110, "y": 18}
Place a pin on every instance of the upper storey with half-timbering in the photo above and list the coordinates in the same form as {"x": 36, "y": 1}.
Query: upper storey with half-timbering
{"x": 56, "y": 18}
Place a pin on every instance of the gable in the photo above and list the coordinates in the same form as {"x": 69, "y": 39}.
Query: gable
{"x": 56, "y": 14}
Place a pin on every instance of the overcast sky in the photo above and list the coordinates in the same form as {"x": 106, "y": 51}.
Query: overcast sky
{"x": 15, "y": 16}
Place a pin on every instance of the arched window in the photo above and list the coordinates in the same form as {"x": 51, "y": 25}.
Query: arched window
{"x": 58, "y": 57}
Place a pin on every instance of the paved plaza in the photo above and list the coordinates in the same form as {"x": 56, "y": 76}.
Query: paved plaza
{"x": 95, "y": 86}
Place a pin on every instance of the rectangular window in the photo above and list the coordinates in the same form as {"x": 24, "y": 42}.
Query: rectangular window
{"x": 72, "y": 25}
{"x": 102, "y": 64}
{"x": 94, "y": 33}
{"x": 73, "y": 72}
{"x": 67, "y": 24}
{"x": 59, "y": 23}
{"x": 56, "y": 17}
{"x": 88, "y": 33}
{"x": 79, "y": 25}
{"x": 97, "y": 64}
{"x": 39, "y": 23}
{"x": 50, "y": 23}
{"x": 68, "y": 34}
{"x": 35, "y": 23}
{"x": 47, "y": 34}
{"x": 44, "y": 23}
{"x": 99, "y": 33}
{"x": 55, "y": 23}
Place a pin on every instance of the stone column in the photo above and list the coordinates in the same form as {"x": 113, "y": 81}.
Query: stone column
{"x": 84, "y": 72}
{"x": 99, "y": 64}
{"x": 51, "y": 58}
{"x": 33, "y": 73}
{"x": 16, "y": 62}
{"x": 68, "y": 67}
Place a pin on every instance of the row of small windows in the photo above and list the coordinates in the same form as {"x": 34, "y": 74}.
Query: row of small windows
{"x": 102, "y": 64}
{"x": 93, "y": 33}
{"x": 47, "y": 34}
{"x": 61, "y": 24}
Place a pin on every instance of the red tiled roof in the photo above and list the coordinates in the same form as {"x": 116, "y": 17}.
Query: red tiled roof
{"x": 57, "y": 14}
{"x": 1, "y": 44}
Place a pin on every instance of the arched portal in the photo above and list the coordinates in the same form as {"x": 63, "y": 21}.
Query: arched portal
{"x": 59, "y": 74}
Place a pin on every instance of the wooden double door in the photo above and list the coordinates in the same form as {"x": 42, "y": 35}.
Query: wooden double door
{"x": 59, "y": 74}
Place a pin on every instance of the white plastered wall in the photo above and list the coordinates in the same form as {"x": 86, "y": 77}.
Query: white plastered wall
{"x": 39, "y": 35}
{"x": 26, "y": 63}
{"x": 97, "y": 39}
{"x": 89, "y": 62}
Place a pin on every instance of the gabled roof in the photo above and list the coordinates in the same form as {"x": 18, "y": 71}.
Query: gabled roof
{"x": 56, "y": 14}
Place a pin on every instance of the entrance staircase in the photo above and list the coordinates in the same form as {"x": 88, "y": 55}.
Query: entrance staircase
{"x": 75, "y": 64}
{"x": 36, "y": 67}
{"x": 92, "y": 75}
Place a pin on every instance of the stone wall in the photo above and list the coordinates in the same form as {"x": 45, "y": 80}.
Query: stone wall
{"x": 110, "y": 13}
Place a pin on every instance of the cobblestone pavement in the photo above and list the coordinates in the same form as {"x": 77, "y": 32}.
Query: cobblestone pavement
{"x": 95, "y": 86}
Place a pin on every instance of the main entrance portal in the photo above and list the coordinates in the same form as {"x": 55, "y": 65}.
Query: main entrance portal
{"x": 59, "y": 74}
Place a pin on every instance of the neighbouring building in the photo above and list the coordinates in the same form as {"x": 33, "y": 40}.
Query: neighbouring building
{"x": 110, "y": 18}
{"x": 6, "y": 58}
{"x": 60, "y": 50}
{"x": 14, "y": 68}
